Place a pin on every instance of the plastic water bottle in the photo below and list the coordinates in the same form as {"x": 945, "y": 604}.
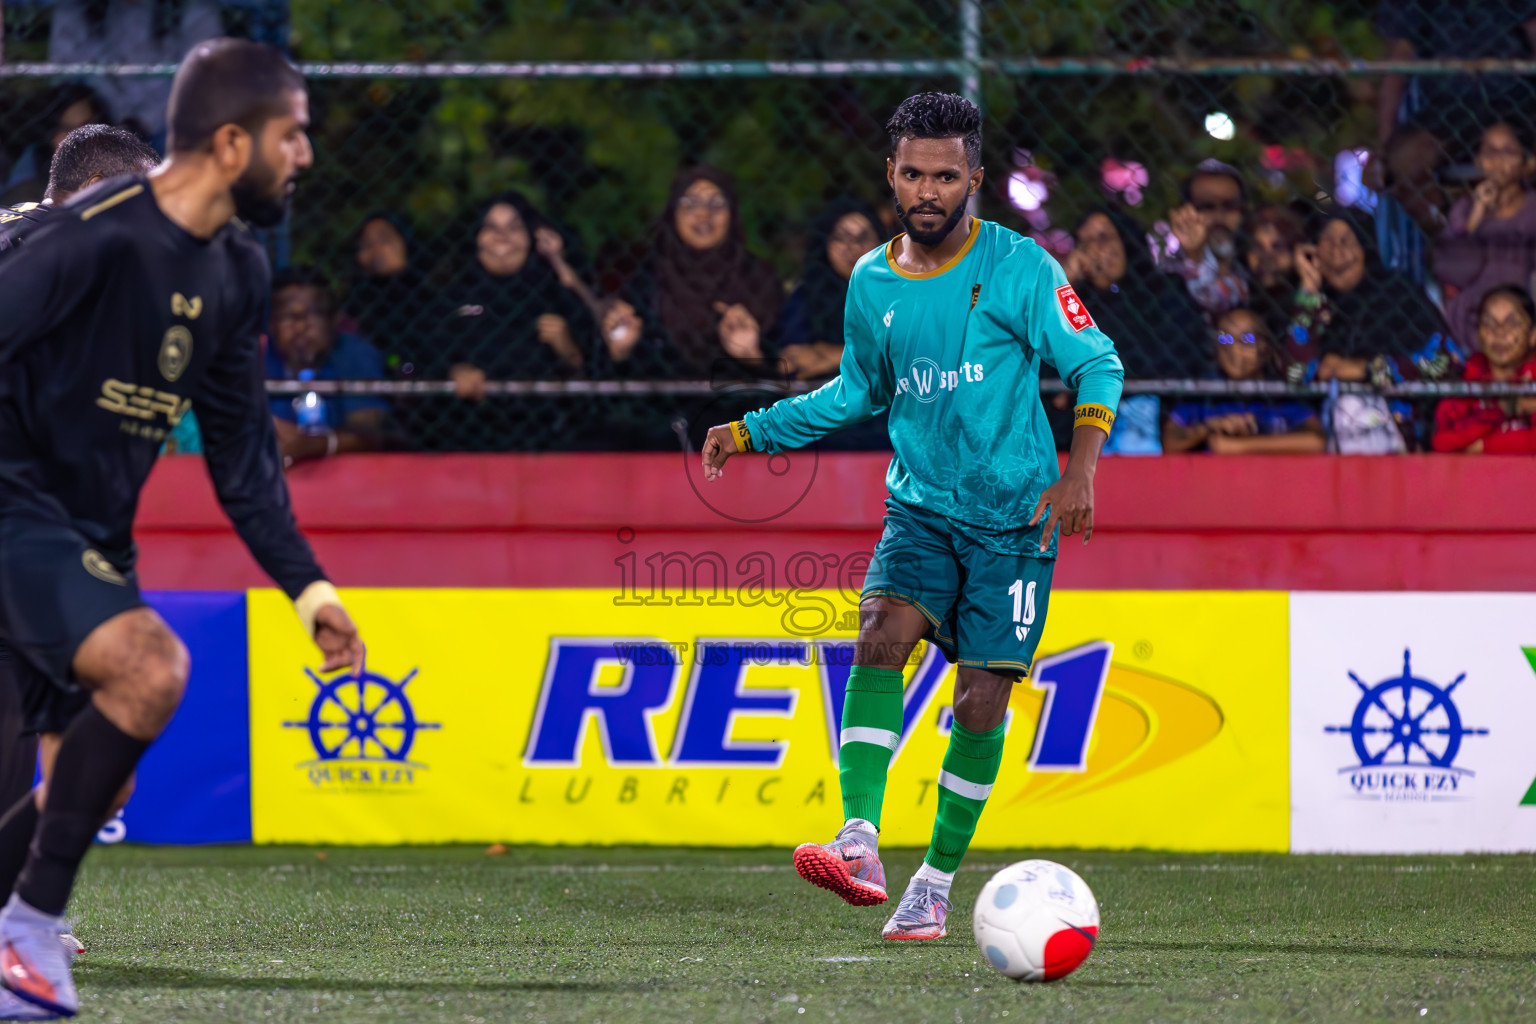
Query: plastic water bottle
{"x": 309, "y": 408}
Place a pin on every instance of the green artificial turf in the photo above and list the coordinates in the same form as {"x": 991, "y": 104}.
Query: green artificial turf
{"x": 454, "y": 935}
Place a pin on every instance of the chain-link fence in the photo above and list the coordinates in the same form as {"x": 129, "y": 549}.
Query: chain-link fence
{"x": 508, "y": 192}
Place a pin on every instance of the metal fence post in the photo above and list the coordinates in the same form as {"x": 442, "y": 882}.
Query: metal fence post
{"x": 970, "y": 56}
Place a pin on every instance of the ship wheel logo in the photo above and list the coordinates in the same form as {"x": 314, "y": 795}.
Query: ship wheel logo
{"x": 362, "y": 717}
{"x": 1406, "y": 721}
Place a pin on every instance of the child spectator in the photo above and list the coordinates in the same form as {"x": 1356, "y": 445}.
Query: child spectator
{"x": 1492, "y": 232}
{"x": 813, "y": 317}
{"x": 1506, "y": 330}
{"x": 1245, "y": 351}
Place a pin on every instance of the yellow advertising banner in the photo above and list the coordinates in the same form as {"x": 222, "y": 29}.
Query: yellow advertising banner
{"x": 1151, "y": 719}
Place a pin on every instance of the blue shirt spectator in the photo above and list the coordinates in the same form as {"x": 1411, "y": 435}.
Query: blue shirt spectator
{"x": 350, "y": 358}
{"x": 1267, "y": 417}
{"x": 306, "y": 345}
{"x": 1234, "y": 424}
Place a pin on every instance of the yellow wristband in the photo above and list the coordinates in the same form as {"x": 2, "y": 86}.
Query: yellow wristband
{"x": 315, "y": 596}
{"x": 742, "y": 436}
{"x": 1092, "y": 414}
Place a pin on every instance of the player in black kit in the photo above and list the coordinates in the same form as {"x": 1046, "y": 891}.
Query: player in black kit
{"x": 140, "y": 298}
{"x": 90, "y": 153}
{"x": 85, "y": 156}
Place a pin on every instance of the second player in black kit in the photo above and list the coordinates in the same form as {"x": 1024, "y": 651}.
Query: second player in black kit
{"x": 131, "y": 304}
{"x": 17, "y": 222}
{"x": 87, "y": 155}
{"x": 90, "y": 153}
{"x": 112, "y": 327}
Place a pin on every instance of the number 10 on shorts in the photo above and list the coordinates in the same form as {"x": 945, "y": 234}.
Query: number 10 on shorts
{"x": 1023, "y": 608}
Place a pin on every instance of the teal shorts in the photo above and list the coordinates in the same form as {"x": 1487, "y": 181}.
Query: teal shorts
{"x": 984, "y": 609}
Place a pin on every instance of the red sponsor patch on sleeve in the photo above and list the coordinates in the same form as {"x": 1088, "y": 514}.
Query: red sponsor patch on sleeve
{"x": 1073, "y": 309}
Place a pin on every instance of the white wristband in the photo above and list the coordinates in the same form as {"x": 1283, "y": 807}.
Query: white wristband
{"x": 332, "y": 442}
{"x": 315, "y": 596}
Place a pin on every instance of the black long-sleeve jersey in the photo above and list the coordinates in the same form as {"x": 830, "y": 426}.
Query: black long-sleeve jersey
{"x": 19, "y": 221}
{"x": 114, "y": 322}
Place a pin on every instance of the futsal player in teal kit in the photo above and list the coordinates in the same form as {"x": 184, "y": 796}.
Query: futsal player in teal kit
{"x": 946, "y": 326}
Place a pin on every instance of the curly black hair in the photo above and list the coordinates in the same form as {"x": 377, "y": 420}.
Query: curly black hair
{"x": 96, "y": 150}
{"x": 938, "y": 115}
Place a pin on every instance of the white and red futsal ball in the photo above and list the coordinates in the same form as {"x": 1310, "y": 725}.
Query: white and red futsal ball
{"x": 1036, "y": 921}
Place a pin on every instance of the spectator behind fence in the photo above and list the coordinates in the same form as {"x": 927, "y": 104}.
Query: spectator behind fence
{"x": 136, "y": 32}
{"x": 1506, "y": 328}
{"x": 1451, "y": 107}
{"x": 1492, "y": 232}
{"x": 1207, "y": 227}
{"x": 511, "y": 317}
{"x": 1425, "y": 121}
{"x": 390, "y": 301}
{"x": 812, "y": 338}
{"x": 65, "y": 108}
{"x": 1270, "y": 244}
{"x": 1244, "y": 351}
{"x": 1153, "y": 321}
{"x": 305, "y": 345}
{"x": 702, "y": 295}
{"x": 1355, "y": 320}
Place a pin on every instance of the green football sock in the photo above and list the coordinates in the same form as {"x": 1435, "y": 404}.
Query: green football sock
{"x": 871, "y": 730}
{"x": 970, "y": 768}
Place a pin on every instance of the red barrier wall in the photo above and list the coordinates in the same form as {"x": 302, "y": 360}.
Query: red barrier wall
{"x": 1176, "y": 522}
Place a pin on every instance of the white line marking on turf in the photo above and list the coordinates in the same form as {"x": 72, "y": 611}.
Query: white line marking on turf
{"x": 602, "y": 869}
{"x": 844, "y": 959}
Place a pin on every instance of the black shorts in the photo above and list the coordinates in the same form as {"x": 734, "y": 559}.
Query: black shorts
{"x": 55, "y": 589}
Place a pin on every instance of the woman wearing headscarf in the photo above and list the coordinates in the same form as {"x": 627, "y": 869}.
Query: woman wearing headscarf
{"x": 812, "y": 337}
{"x": 389, "y": 301}
{"x": 1355, "y": 319}
{"x": 812, "y": 330}
{"x": 702, "y": 296}
{"x": 509, "y": 318}
{"x": 1155, "y": 325}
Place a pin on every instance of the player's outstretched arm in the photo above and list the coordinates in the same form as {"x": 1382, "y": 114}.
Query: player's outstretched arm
{"x": 862, "y": 390}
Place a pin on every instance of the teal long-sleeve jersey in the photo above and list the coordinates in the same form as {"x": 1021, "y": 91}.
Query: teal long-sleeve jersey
{"x": 955, "y": 355}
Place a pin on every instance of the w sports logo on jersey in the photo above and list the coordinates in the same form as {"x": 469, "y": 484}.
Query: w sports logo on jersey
{"x": 925, "y": 380}
{"x": 1073, "y": 309}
